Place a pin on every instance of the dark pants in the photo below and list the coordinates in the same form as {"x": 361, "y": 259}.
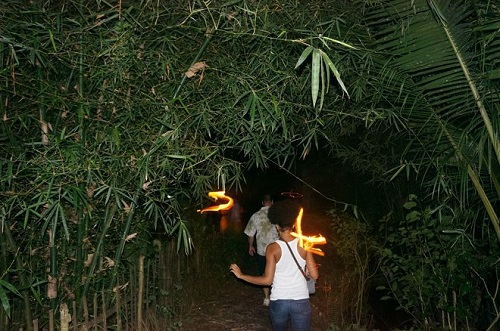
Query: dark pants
{"x": 261, "y": 263}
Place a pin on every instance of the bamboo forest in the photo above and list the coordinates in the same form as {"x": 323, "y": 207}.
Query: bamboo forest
{"x": 131, "y": 129}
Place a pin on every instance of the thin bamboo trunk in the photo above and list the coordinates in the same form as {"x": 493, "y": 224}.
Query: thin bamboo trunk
{"x": 85, "y": 313}
{"x": 140, "y": 293}
{"x": 118, "y": 308}
{"x": 52, "y": 276}
{"x": 96, "y": 322}
{"x": 123, "y": 239}
{"x": 133, "y": 295}
{"x": 128, "y": 312}
{"x": 104, "y": 310}
{"x": 51, "y": 320}
{"x": 44, "y": 126}
{"x": 454, "y": 310}
{"x": 126, "y": 307}
{"x": 148, "y": 280}
{"x": 80, "y": 246}
{"x": 110, "y": 213}
{"x": 81, "y": 75}
{"x": 65, "y": 317}
{"x": 75, "y": 321}
{"x": 4, "y": 319}
{"x": 28, "y": 319}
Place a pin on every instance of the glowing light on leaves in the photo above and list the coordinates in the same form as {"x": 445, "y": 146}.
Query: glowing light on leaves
{"x": 216, "y": 196}
{"x": 308, "y": 242}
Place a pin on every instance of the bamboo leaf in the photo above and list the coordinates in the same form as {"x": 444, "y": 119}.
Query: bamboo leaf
{"x": 52, "y": 41}
{"x": 304, "y": 56}
{"x": 316, "y": 63}
{"x": 324, "y": 83}
{"x": 5, "y": 301}
{"x": 183, "y": 236}
{"x": 336, "y": 73}
{"x": 9, "y": 286}
{"x": 3, "y": 295}
{"x": 253, "y": 107}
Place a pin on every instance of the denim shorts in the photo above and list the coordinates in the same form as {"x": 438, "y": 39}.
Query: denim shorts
{"x": 298, "y": 312}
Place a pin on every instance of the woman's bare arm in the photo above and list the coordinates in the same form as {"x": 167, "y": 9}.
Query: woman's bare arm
{"x": 311, "y": 266}
{"x": 268, "y": 276}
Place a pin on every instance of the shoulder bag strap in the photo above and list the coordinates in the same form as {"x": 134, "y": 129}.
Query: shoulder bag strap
{"x": 297, "y": 262}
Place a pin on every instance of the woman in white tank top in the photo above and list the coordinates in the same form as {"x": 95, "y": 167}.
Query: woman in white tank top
{"x": 289, "y": 293}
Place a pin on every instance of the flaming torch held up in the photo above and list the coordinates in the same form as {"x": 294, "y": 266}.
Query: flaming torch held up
{"x": 308, "y": 242}
{"x": 216, "y": 196}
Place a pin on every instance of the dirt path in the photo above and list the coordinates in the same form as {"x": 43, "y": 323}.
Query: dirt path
{"x": 239, "y": 306}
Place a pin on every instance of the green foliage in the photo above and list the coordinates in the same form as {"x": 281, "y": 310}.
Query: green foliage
{"x": 321, "y": 67}
{"x": 6, "y": 287}
{"x": 105, "y": 140}
{"x": 355, "y": 244}
{"x": 434, "y": 77}
{"x": 429, "y": 266}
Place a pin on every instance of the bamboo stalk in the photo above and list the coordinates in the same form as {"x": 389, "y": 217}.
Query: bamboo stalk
{"x": 96, "y": 322}
{"x": 179, "y": 268}
{"x": 44, "y": 126}
{"x": 454, "y": 310}
{"x": 104, "y": 311}
{"x": 81, "y": 75}
{"x": 51, "y": 320}
{"x": 110, "y": 212}
{"x": 126, "y": 229}
{"x": 52, "y": 276}
{"x": 148, "y": 281}
{"x": 65, "y": 317}
{"x": 27, "y": 314}
{"x": 196, "y": 58}
{"x": 75, "y": 321}
{"x": 85, "y": 313}
{"x": 118, "y": 308}
{"x": 133, "y": 296}
{"x": 79, "y": 256}
{"x": 126, "y": 307}
{"x": 4, "y": 319}
{"x": 140, "y": 293}
{"x": 165, "y": 267}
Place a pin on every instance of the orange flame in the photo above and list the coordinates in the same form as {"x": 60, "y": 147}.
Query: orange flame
{"x": 308, "y": 242}
{"x": 216, "y": 196}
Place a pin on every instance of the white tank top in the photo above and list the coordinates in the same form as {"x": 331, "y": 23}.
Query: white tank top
{"x": 289, "y": 283}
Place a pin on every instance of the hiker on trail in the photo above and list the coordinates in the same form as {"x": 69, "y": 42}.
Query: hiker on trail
{"x": 289, "y": 293}
{"x": 264, "y": 232}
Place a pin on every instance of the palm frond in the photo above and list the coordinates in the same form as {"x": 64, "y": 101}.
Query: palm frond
{"x": 438, "y": 48}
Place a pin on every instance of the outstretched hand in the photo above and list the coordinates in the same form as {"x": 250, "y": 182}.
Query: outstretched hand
{"x": 235, "y": 270}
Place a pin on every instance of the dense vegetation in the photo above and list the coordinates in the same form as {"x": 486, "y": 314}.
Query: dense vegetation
{"x": 118, "y": 117}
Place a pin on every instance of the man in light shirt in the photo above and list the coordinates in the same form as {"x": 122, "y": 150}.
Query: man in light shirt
{"x": 260, "y": 229}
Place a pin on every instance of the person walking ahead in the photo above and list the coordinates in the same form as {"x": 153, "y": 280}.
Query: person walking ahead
{"x": 261, "y": 230}
{"x": 289, "y": 293}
